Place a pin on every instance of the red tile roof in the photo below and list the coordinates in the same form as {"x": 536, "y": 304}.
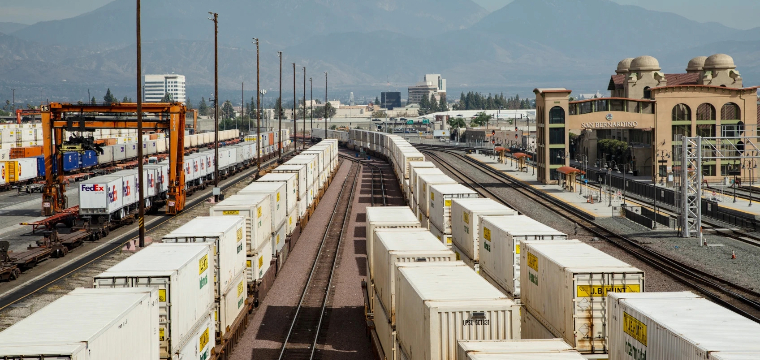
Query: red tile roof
{"x": 682, "y": 79}
{"x": 616, "y": 82}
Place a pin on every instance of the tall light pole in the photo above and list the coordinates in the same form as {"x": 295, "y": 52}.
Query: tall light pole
{"x": 279, "y": 111}
{"x": 215, "y": 19}
{"x": 141, "y": 196}
{"x": 326, "y": 114}
{"x": 295, "y": 114}
{"x": 311, "y": 108}
{"x": 303, "y": 130}
{"x": 258, "y": 112}
{"x": 242, "y": 104}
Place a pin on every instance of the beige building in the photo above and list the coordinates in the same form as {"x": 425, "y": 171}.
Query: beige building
{"x": 648, "y": 111}
{"x": 432, "y": 84}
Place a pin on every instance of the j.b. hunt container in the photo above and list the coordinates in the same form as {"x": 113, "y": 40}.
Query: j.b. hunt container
{"x": 255, "y": 209}
{"x": 227, "y": 233}
{"x": 439, "y": 209}
{"x": 435, "y": 308}
{"x": 183, "y": 276}
{"x": 500, "y": 238}
{"x": 395, "y": 246}
{"x": 465, "y": 222}
{"x": 516, "y": 349}
{"x": 678, "y": 326}
{"x": 565, "y": 285}
{"x": 119, "y": 324}
{"x": 386, "y": 217}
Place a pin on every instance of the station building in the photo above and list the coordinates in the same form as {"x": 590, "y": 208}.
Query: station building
{"x": 648, "y": 110}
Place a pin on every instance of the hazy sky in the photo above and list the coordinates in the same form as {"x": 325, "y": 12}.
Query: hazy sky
{"x": 740, "y": 14}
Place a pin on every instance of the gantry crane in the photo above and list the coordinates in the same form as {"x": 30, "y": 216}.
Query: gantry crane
{"x": 20, "y": 113}
{"x": 58, "y": 117}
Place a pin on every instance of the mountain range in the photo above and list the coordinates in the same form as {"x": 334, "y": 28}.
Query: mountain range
{"x": 365, "y": 46}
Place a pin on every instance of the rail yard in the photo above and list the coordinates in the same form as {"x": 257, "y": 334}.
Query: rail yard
{"x": 360, "y": 245}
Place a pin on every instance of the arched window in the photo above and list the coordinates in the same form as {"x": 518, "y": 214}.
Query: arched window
{"x": 705, "y": 112}
{"x": 557, "y": 115}
{"x": 647, "y": 93}
{"x": 730, "y": 111}
{"x": 681, "y": 112}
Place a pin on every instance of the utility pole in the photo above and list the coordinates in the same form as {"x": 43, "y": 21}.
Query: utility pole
{"x": 258, "y": 112}
{"x": 311, "y": 108}
{"x": 242, "y": 104}
{"x": 326, "y": 114}
{"x": 216, "y": 190}
{"x": 279, "y": 111}
{"x": 295, "y": 114}
{"x": 303, "y": 130}
{"x": 141, "y": 196}
{"x": 13, "y": 105}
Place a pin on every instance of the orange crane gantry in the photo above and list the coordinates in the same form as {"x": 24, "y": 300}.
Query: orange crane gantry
{"x": 20, "y": 113}
{"x": 57, "y": 117}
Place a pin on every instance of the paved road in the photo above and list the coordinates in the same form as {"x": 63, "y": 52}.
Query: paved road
{"x": 16, "y": 208}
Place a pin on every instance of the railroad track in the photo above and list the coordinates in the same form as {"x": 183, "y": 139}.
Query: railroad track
{"x": 38, "y": 283}
{"x": 732, "y": 296}
{"x": 301, "y": 339}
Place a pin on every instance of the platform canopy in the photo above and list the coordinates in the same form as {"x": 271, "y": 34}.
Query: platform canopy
{"x": 522, "y": 155}
{"x": 567, "y": 170}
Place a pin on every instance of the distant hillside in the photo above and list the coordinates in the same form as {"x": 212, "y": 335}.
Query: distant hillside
{"x": 9, "y": 27}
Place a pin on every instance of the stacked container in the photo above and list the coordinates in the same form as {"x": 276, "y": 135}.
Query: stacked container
{"x": 119, "y": 324}
{"x": 386, "y": 217}
{"x": 256, "y": 209}
{"x": 291, "y": 196}
{"x": 431, "y": 317}
{"x": 499, "y": 247}
{"x": 183, "y": 277}
{"x": 423, "y": 195}
{"x": 227, "y": 234}
{"x": 416, "y": 172}
{"x": 565, "y": 285}
{"x": 465, "y": 224}
{"x": 278, "y": 204}
{"x": 407, "y": 183}
{"x": 301, "y": 186}
{"x": 439, "y": 207}
{"x": 102, "y": 195}
{"x": 517, "y": 349}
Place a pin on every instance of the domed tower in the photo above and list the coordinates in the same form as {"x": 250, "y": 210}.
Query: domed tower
{"x": 644, "y": 74}
{"x": 719, "y": 70}
{"x": 624, "y": 66}
{"x": 696, "y": 65}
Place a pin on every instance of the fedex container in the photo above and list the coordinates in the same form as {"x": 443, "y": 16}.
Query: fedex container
{"x": 465, "y": 222}
{"x": 291, "y": 187}
{"x": 431, "y": 318}
{"x": 227, "y": 233}
{"x": 102, "y": 195}
{"x": 119, "y": 152}
{"x": 677, "y": 326}
{"x": 423, "y": 185}
{"x": 131, "y": 150}
{"x": 565, "y": 285}
{"x": 149, "y": 147}
{"x": 514, "y": 349}
{"x": 161, "y": 177}
{"x": 499, "y": 248}
{"x": 256, "y": 210}
{"x": 129, "y": 186}
{"x": 107, "y": 156}
{"x": 232, "y": 303}
{"x": 277, "y": 195}
{"x": 119, "y": 324}
{"x": 183, "y": 276}
{"x": 394, "y": 246}
{"x": 258, "y": 262}
{"x": 439, "y": 203}
{"x": 190, "y": 165}
{"x": 386, "y": 217}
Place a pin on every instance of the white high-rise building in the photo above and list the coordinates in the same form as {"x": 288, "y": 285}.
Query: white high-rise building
{"x": 156, "y": 86}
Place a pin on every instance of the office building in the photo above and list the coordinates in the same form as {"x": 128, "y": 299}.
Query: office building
{"x": 156, "y": 86}
{"x": 390, "y": 99}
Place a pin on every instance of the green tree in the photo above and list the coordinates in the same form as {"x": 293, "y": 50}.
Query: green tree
{"x": 443, "y": 106}
{"x": 167, "y": 98}
{"x": 379, "y": 114}
{"x": 188, "y": 104}
{"x": 481, "y": 119}
{"x": 424, "y": 105}
{"x": 126, "y": 100}
{"x": 377, "y": 101}
{"x": 93, "y": 101}
{"x": 202, "y": 107}
{"x": 457, "y": 123}
{"x": 278, "y": 111}
{"x": 109, "y": 98}
{"x": 433, "y": 107}
{"x": 329, "y": 111}
{"x": 228, "y": 112}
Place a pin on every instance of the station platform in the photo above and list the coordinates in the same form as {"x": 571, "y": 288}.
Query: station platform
{"x": 725, "y": 199}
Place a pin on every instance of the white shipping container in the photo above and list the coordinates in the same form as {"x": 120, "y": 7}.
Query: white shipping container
{"x": 467, "y": 348}
{"x": 119, "y": 152}
{"x": 181, "y": 274}
{"x": 131, "y": 150}
{"x": 256, "y": 209}
{"x": 258, "y": 263}
{"x": 300, "y": 172}
{"x": 107, "y": 156}
{"x": 291, "y": 187}
{"x": 102, "y": 195}
{"x": 461, "y": 255}
{"x": 161, "y": 180}
{"x": 27, "y": 168}
{"x": 312, "y": 171}
{"x": 678, "y": 326}
{"x": 565, "y": 285}
{"x": 384, "y": 329}
{"x": 278, "y": 239}
{"x": 444, "y": 238}
{"x": 8, "y": 136}
{"x": 202, "y": 340}
{"x": 386, "y": 217}
{"x": 416, "y": 172}
{"x": 395, "y": 246}
{"x": 227, "y": 233}
{"x": 500, "y": 238}
{"x": 278, "y": 199}
{"x": 161, "y": 146}
{"x": 405, "y": 157}
{"x": 291, "y": 222}
{"x": 465, "y": 222}
{"x": 441, "y": 196}
{"x": 431, "y": 317}
{"x": 423, "y": 183}
{"x": 232, "y": 303}
{"x": 118, "y": 324}
{"x": 130, "y": 180}
{"x": 532, "y": 328}
{"x": 5, "y": 154}
{"x": 533, "y": 356}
